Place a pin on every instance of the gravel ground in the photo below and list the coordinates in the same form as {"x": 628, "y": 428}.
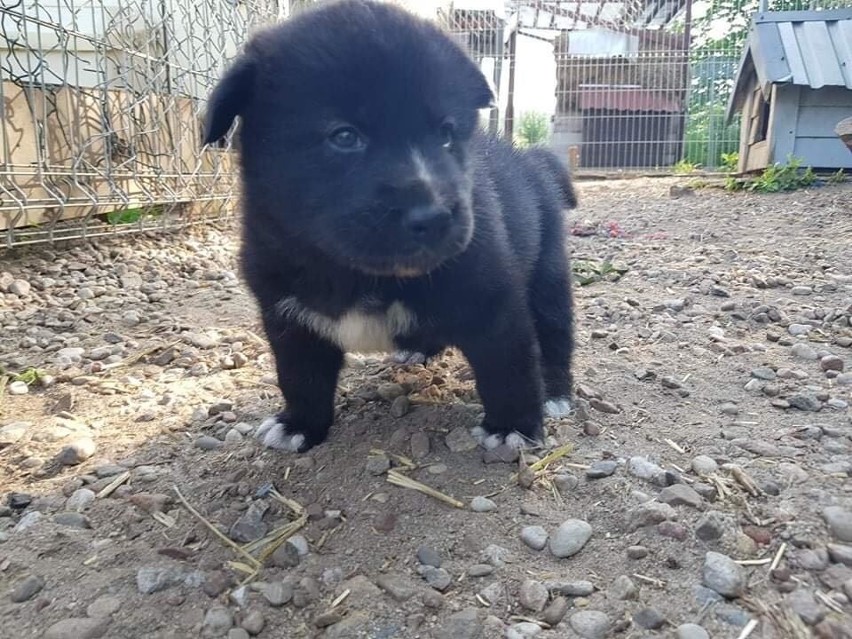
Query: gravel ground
{"x": 706, "y": 490}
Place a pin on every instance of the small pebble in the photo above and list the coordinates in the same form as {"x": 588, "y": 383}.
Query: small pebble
{"x": 534, "y": 536}
{"x": 601, "y": 469}
{"x": 77, "y": 452}
{"x": 637, "y": 552}
{"x": 78, "y": 628}
{"x": 649, "y": 618}
{"x": 428, "y": 557}
{"x": 570, "y": 538}
{"x": 208, "y": 443}
{"x": 533, "y": 595}
{"x": 217, "y": 622}
{"x": 26, "y": 589}
{"x": 723, "y": 575}
{"x": 691, "y": 631}
{"x": 278, "y": 593}
{"x": 482, "y": 505}
{"x": 590, "y": 624}
{"x": 839, "y": 522}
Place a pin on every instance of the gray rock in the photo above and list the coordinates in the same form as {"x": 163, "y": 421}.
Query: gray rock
{"x": 806, "y": 402}
{"x": 250, "y": 526}
{"x": 28, "y": 521}
{"x": 26, "y": 589}
{"x": 646, "y": 469}
{"x": 459, "y": 440}
{"x": 378, "y": 464}
{"x": 732, "y": 615}
{"x": 723, "y": 574}
{"x": 77, "y": 452}
{"x": 72, "y": 520}
{"x": 556, "y": 611}
{"x": 590, "y": 624}
{"x": 390, "y": 391}
{"x": 428, "y": 556}
{"x": 803, "y": 351}
{"x": 705, "y": 596}
{"x": 649, "y": 618}
{"x": 80, "y": 499}
{"x": 151, "y": 579}
{"x": 420, "y": 445}
{"x": 714, "y": 525}
{"x": 534, "y": 537}
{"x": 797, "y": 330}
{"x": 494, "y": 594}
{"x": 278, "y": 593}
{"x": 438, "y": 578}
{"x": 13, "y": 433}
{"x": 355, "y": 624}
{"x": 253, "y": 622}
{"x": 104, "y": 606}
{"x": 601, "y": 469}
{"x": 21, "y": 288}
{"x": 839, "y": 522}
{"x": 503, "y": 454}
{"x": 570, "y": 538}
{"x": 840, "y": 554}
{"x": 496, "y": 555}
{"x": 480, "y": 570}
{"x": 704, "y": 465}
{"x": 571, "y": 588}
{"x": 691, "y": 631}
{"x": 238, "y": 633}
{"x": 400, "y": 406}
{"x": 17, "y": 388}
{"x": 623, "y": 588}
{"x": 78, "y": 628}
{"x": 533, "y": 595}
{"x": 810, "y": 558}
{"x": 831, "y": 363}
{"x": 680, "y": 495}
{"x": 637, "y": 552}
{"x": 465, "y": 624}
{"x": 523, "y": 630}
{"x": 650, "y": 513}
{"x": 217, "y": 622}
{"x": 208, "y": 443}
{"x": 399, "y": 587}
{"x": 806, "y": 606}
{"x": 482, "y": 505}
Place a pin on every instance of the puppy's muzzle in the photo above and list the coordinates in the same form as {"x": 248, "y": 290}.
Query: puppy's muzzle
{"x": 427, "y": 224}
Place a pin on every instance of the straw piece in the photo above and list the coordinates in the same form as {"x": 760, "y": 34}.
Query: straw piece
{"x": 398, "y": 479}
{"x": 110, "y": 488}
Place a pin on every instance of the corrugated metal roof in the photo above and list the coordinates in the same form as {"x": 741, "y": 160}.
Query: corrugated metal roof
{"x": 807, "y": 48}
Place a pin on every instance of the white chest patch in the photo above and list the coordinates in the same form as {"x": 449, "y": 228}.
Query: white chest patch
{"x": 355, "y": 331}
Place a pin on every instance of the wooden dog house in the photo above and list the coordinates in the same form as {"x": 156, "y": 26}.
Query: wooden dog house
{"x": 793, "y": 86}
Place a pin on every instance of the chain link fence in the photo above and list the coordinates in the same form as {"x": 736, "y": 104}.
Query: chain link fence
{"x": 102, "y": 99}
{"x": 101, "y": 105}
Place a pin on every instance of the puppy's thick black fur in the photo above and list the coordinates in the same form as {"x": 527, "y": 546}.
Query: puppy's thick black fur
{"x": 378, "y": 215}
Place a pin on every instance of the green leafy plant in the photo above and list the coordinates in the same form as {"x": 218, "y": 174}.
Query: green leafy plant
{"x": 685, "y": 167}
{"x": 587, "y": 271}
{"x": 131, "y": 216}
{"x": 533, "y": 128}
{"x": 789, "y": 176}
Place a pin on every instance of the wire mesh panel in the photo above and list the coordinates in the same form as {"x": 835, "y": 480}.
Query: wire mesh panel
{"x": 101, "y": 105}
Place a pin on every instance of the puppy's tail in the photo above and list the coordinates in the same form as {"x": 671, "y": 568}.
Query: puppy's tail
{"x": 553, "y": 168}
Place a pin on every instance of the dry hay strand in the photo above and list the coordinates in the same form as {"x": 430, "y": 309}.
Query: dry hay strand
{"x": 263, "y": 548}
{"x": 398, "y": 479}
{"x": 788, "y": 623}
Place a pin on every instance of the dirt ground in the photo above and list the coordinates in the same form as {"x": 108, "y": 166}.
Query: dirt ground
{"x": 706, "y": 490}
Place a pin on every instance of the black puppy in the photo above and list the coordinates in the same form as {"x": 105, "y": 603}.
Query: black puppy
{"x": 378, "y": 216}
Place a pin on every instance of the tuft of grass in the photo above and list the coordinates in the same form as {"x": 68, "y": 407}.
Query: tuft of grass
{"x": 685, "y": 167}
{"x": 837, "y": 178}
{"x": 29, "y": 376}
{"x": 132, "y": 216}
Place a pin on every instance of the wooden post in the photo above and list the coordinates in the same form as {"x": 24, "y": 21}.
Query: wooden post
{"x": 844, "y": 130}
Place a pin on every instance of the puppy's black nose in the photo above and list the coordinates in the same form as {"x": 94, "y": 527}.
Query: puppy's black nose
{"x": 427, "y": 223}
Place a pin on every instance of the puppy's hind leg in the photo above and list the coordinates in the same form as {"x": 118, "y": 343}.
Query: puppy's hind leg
{"x": 551, "y": 304}
{"x": 308, "y": 368}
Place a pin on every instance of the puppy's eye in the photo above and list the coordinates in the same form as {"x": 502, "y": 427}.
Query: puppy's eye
{"x": 448, "y": 133}
{"x": 346, "y": 138}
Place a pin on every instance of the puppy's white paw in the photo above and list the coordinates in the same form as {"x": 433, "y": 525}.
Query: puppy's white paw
{"x": 273, "y": 434}
{"x": 490, "y": 441}
{"x": 556, "y": 408}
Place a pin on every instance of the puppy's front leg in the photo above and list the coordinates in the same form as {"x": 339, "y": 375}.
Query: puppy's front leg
{"x": 308, "y": 367}
{"x": 505, "y": 361}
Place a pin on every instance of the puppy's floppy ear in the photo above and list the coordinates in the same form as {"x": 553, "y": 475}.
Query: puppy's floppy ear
{"x": 228, "y": 100}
